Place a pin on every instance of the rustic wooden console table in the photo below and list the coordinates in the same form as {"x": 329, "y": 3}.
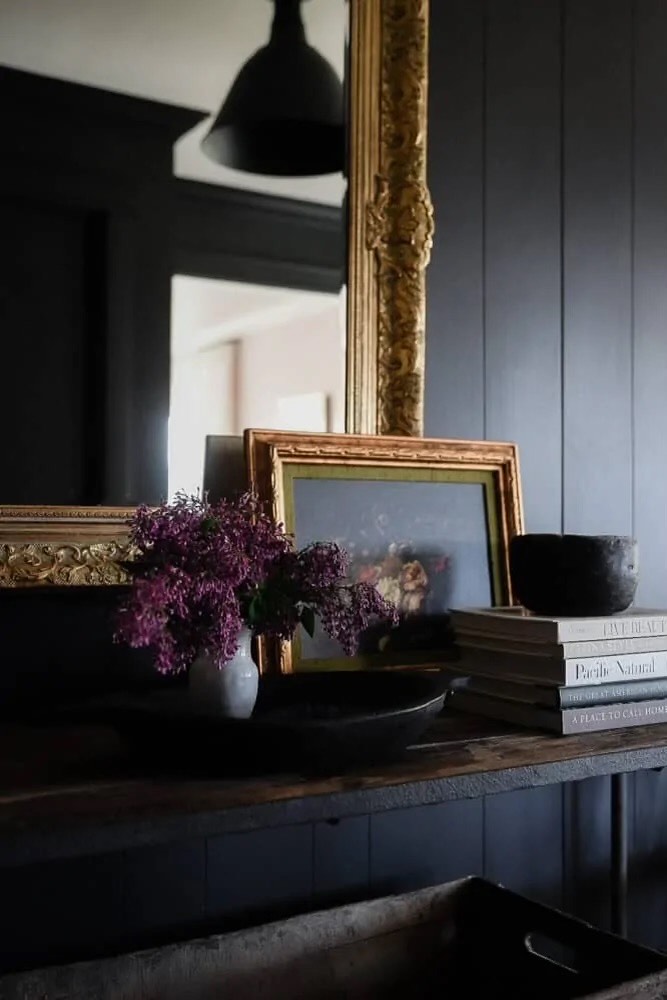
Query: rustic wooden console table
{"x": 66, "y": 791}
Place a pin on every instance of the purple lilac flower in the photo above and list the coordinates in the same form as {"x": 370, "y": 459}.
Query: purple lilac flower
{"x": 205, "y": 570}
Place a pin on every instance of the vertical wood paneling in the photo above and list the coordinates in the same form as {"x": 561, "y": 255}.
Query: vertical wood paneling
{"x": 164, "y": 890}
{"x": 523, "y": 831}
{"x": 341, "y": 859}
{"x": 597, "y": 338}
{"x": 650, "y": 298}
{"x": 522, "y": 253}
{"x": 647, "y": 921}
{"x": 524, "y": 842}
{"x": 413, "y": 848}
{"x": 587, "y": 850}
{"x": 648, "y": 916}
{"x": 597, "y": 289}
{"x": 251, "y": 877}
{"x": 454, "y": 345}
{"x": 44, "y": 329}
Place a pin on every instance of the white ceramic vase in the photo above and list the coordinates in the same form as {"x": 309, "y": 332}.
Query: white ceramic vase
{"x": 230, "y": 691}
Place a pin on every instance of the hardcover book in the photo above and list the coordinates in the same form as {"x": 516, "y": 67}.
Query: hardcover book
{"x": 575, "y": 672}
{"x": 563, "y": 697}
{"x": 623, "y": 715}
{"x": 561, "y": 650}
{"x": 516, "y": 622}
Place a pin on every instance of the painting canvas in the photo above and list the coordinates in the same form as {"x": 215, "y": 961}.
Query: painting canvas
{"x": 430, "y": 536}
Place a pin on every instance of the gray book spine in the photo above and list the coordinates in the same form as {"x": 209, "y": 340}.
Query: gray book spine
{"x": 562, "y": 697}
{"x": 617, "y": 716}
{"x": 568, "y": 721}
{"x": 607, "y": 694}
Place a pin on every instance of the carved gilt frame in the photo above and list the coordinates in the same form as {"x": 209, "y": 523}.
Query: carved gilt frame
{"x": 271, "y": 454}
{"x": 63, "y": 546}
{"x": 391, "y": 217}
{"x": 389, "y": 241}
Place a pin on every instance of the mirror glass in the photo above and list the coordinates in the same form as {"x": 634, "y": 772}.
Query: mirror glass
{"x": 245, "y": 348}
{"x": 246, "y": 355}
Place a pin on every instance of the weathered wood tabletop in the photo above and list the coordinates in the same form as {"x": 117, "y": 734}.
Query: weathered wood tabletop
{"x": 66, "y": 790}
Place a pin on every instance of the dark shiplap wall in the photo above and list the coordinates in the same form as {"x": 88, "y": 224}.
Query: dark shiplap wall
{"x": 546, "y": 324}
{"x": 547, "y": 305}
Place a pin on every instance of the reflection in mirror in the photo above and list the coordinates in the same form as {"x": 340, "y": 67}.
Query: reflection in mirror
{"x": 120, "y": 199}
{"x": 245, "y": 355}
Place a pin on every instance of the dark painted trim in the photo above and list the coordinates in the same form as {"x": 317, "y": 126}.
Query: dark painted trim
{"x": 238, "y": 235}
{"x": 62, "y": 97}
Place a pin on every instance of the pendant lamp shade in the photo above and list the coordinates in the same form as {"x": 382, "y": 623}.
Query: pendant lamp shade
{"x": 284, "y": 113}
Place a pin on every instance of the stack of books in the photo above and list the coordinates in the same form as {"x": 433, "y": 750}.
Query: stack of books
{"x": 568, "y": 675}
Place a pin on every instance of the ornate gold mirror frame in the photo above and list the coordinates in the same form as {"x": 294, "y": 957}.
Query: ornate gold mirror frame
{"x": 389, "y": 243}
{"x": 391, "y": 217}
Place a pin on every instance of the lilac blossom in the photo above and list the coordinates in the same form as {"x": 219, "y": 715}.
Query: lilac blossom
{"x": 205, "y": 570}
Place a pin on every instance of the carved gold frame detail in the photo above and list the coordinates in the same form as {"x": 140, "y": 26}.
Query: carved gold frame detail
{"x": 270, "y": 453}
{"x": 79, "y": 546}
{"x": 389, "y": 243}
{"x": 391, "y": 217}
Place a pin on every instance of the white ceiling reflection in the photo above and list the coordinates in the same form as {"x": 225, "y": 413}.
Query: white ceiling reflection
{"x": 185, "y": 53}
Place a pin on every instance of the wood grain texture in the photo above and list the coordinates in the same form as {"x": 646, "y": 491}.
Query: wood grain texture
{"x": 80, "y": 794}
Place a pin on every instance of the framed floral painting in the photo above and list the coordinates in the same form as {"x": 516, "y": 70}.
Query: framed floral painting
{"x": 427, "y": 521}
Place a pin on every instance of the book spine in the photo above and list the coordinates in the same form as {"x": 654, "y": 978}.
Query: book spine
{"x": 616, "y": 716}
{"x": 608, "y": 694}
{"x": 536, "y": 629}
{"x": 613, "y": 647}
{"x": 564, "y": 650}
{"x": 615, "y": 669}
{"x": 614, "y": 627}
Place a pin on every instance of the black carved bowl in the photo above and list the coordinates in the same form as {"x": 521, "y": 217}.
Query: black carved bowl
{"x": 574, "y": 575}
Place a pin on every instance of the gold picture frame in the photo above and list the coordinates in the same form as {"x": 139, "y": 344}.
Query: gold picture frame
{"x": 379, "y": 495}
{"x": 64, "y": 546}
{"x": 391, "y": 217}
{"x": 389, "y": 242}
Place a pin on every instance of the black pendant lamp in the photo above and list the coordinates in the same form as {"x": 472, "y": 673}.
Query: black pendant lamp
{"x": 284, "y": 113}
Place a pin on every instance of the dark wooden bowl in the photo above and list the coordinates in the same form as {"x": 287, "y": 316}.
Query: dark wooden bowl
{"x": 307, "y": 722}
{"x": 574, "y": 575}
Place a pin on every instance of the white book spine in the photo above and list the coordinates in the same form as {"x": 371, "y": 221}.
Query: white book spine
{"x": 615, "y": 669}
{"x": 615, "y": 647}
{"x": 620, "y": 627}
{"x": 566, "y": 650}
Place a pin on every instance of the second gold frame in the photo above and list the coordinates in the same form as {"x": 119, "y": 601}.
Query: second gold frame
{"x": 427, "y": 521}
